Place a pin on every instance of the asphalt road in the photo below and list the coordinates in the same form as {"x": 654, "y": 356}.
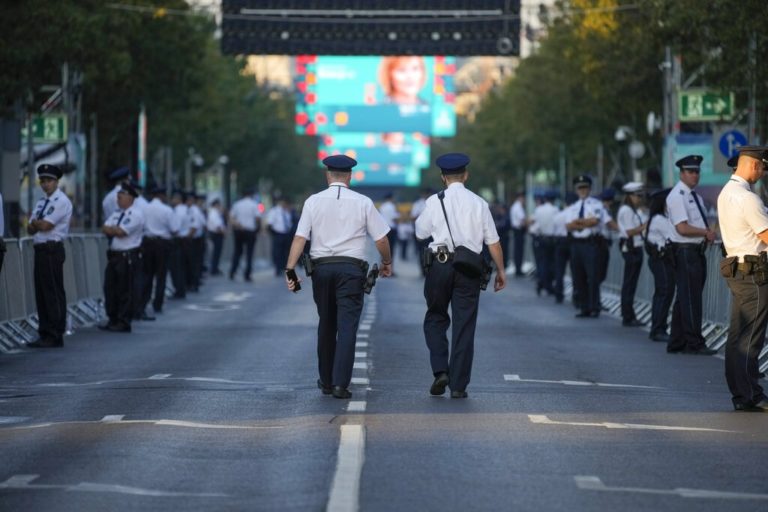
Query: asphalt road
{"x": 214, "y": 407}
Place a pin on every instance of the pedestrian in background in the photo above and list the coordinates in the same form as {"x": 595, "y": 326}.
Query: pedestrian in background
{"x": 632, "y": 221}
{"x": 416, "y": 208}
{"x": 562, "y": 246}
{"x": 280, "y": 227}
{"x": 605, "y": 237}
{"x": 388, "y": 210}
{"x": 49, "y": 226}
{"x": 245, "y": 219}
{"x": 518, "y": 221}
{"x": 195, "y": 243}
{"x": 160, "y": 226}
{"x": 217, "y": 230}
{"x": 339, "y": 222}
{"x": 690, "y": 240}
{"x": 503, "y": 226}
{"x": 177, "y": 265}
{"x": 405, "y": 233}
{"x": 744, "y": 228}
{"x": 661, "y": 261}
{"x": 455, "y": 218}
{"x": 125, "y": 227}
{"x": 544, "y": 226}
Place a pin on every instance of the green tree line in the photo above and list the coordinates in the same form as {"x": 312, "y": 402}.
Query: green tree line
{"x": 598, "y": 68}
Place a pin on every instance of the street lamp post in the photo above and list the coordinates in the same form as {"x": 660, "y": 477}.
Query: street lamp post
{"x": 192, "y": 159}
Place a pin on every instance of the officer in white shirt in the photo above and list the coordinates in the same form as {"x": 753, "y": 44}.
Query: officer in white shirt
{"x": 744, "y": 228}
{"x": 685, "y": 210}
{"x": 109, "y": 204}
{"x": 544, "y": 222}
{"x": 160, "y": 226}
{"x": 245, "y": 219}
{"x": 455, "y": 218}
{"x": 196, "y": 255}
{"x": 388, "y": 210}
{"x": 180, "y": 249}
{"x": 2, "y": 233}
{"x": 49, "y": 225}
{"x": 562, "y": 246}
{"x": 217, "y": 229}
{"x": 139, "y": 274}
{"x": 338, "y": 221}
{"x": 126, "y": 227}
{"x": 632, "y": 220}
{"x": 280, "y": 228}
{"x": 661, "y": 261}
{"x": 518, "y": 221}
{"x": 584, "y": 221}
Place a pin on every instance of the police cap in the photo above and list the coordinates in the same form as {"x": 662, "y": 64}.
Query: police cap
{"x": 49, "y": 171}
{"x": 128, "y": 189}
{"x": 608, "y": 194}
{"x": 452, "y": 163}
{"x": 633, "y": 187}
{"x": 757, "y": 152}
{"x": 119, "y": 174}
{"x": 690, "y": 162}
{"x": 158, "y": 191}
{"x": 339, "y": 163}
{"x": 582, "y": 179}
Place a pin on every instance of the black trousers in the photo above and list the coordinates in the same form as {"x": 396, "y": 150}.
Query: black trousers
{"x": 138, "y": 283}
{"x": 118, "y": 286}
{"x": 545, "y": 263}
{"x": 218, "y": 242}
{"x": 584, "y": 271}
{"x": 50, "y": 299}
{"x": 746, "y": 336}
{"x": 445, "y": 287}
{"x": 663, "y": 271}
{"x": 518, "y": 241}
{"x": 337, "y": 289}
{"x": 562, "y": 257}
{"x": 193, "y": 261}
{"x": 281, "y": 244}
{"x": 155, "y": 258}
{"x": 633, "y": 263}
{"x": 244, "y": 239}
{"x": 690, "y": 275}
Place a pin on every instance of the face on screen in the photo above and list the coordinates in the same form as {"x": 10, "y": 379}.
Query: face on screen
{"x": 406, "y": 79}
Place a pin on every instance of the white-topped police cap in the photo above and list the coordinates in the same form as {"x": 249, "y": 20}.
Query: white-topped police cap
{"x": 119, "y": 174}
{"x": 690, "y": 162}
{"x": 49, "y": 171}
{"x": 452, "y": 163}
{"x": 757, "y": 152}
{"x": 339, "y": 163}
{"x": 582, "y": 179}
{"x": 632, "y": 187}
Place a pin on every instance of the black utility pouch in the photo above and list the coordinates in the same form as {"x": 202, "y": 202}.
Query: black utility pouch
{"x": 426, "y": 258}
{"x": 728, "y": 266}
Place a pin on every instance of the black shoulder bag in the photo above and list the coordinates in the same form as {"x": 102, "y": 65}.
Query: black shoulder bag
{"x": 465, "y": 260}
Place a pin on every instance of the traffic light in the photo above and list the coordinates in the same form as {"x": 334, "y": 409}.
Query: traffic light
{"x": 359, "y": 27}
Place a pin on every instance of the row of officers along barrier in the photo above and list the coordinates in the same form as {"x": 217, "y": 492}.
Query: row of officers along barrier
{"x": 86, "y": 259}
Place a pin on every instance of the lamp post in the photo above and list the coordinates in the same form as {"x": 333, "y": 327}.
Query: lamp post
{"x": 192, "y": 159}
{"x": 635, "y": 149}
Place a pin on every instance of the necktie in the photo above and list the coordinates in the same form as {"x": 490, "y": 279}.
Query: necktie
{"x": 701, "y": 210}
{"x": 41, "y": 213}
{"x": 581, "y": 210}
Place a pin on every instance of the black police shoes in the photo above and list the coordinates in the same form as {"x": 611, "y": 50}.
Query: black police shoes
{"x": 327, "y": 390}
{"x": 761, "y": 406}
{"x": 458, "y": 394}
{"x": 703, "y": 351}
{"x": 46, "y": 343}
{"x": 583, "y": 314}
{"x": 660, "y": 337}
{"x": 147, "y": 318}
{"x": 439, "y": 385}
{"x": 632, "y": 323}
{"x": 118, "y": 328}
{"x": 340, "y": 392}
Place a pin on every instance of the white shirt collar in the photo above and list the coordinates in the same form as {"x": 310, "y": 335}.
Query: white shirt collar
{"x": 741, "y": 181}
{"x": 456, "y": 184}
{"x": 685, "y": 187}
{"x": 338, "y": 184}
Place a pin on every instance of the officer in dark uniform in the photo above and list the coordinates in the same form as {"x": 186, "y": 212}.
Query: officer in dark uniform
{"x": 457, "y": 220}
{"x": 744, "y": 227}
{"x": 690, "y": 239}
{"x": 49, "y": 225}
{"x": 125, "y": 226}
{"x": 337, "y": 220}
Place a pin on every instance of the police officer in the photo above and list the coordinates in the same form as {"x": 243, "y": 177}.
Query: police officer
{"x": 280, "y": 227}
{"x": 455, "y": 218}
{"x": 126, "y": 227}
{"x": 245, "y": 219}
{"x": 109, "y": 203}
{"x": 584, "y": 221}
{"x": 196, "y": 242}
{"x": 744, "y": 228}
{"x": 337, "y": 220}
{"x": 605, "y": 240}
{"x": 160, "y": 226}
{"x": 658, "y": 233}
{"x": 562, "y": 246}
{"x": 689, "y": 241}
{"x": 49, "y": 225}
{"x": 177, "y": 258}
{"x": 518, "y": 221}
{"x": 140, "y": 277}
{"x": 632, "y": 220}
{"x": 216, "y": 229}
{"x": 544, "y": 227}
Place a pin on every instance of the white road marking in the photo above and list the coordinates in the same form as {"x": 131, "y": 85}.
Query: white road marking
{"x": 112, "y": 418}
{"x": 593, "y": 483}
{"x": 159, "y": 376}
{"x": 345, "y": 489}
{"x": 544, "y": 420}
{"x": 361, "y": 344}
{"x": 356, "y": 406}
{"x": 232, "y": 297}
{"x": 24, "y": 482}
{"x": 362, "y": 335}
{"x": 6, "y": 420}
{"x": 516, "y": 378}
{"x": 212, "y": 308}
{"x": 361, "y": 355}
{"x": 365, "y": 327}
{"x": 165, "y": 423}
{"x": 360, "y": 381}
{"x": 360, "y": 365}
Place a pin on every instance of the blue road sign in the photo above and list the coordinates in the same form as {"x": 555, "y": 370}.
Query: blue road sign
{"x": 731, "y": 141}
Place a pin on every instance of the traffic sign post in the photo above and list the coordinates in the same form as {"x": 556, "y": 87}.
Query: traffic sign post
{"x": 726, "y": 141}
{"x": 48, "y": 128}
{"x": 704, "y": 105}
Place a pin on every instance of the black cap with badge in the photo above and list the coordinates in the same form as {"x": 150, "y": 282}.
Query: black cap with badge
{"x": 339, "y": 163}
{"x": 582, "y": 180}
{"x": 452, "y": 163}
{"x": 49, "y": 171}
{"x": 690, "y": 163}
{"x": 756, "y": 152}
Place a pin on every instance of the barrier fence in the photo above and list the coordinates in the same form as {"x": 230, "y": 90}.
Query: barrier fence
{"x": 83, "y": 284}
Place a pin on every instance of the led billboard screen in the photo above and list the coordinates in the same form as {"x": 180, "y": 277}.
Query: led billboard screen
{"x": 403, "y": 149}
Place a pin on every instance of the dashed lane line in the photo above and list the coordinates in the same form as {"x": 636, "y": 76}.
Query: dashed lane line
{"x": 517, "y": 378}
{"x": 593, "y": 483}
{"x": 24, "y": 482}
{"x": 360, "y": 365}
{"x": 356, "y": 406}
{"x": 361, "y": 355}
{"x": 345, "y": 489}
{"x": 544, "y": 420}
{"x": 160, "y": 423}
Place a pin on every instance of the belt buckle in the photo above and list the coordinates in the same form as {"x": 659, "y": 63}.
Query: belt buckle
{"x": 442, "y": 257}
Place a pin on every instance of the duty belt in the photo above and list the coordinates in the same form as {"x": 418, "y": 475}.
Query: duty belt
{"x": 125, "y": 253}
{"x": 686, "y": 245}
{"x": 443, "y": 257}
{"x": 339, "y": 259}
{"x": 49, "y": 243}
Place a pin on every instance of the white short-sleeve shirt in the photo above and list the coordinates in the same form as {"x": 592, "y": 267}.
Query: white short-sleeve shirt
{"x": 181, "y": 212}
{"x": 742, "y": 216}
{"x": 558, "y": 224}
{"x": 681, "y": 207}
{"x": 279, "y": 219}
{"x": 660, "y": 231}
{"x": 245, "y": 211}
{"x": 56, "y": 209}
{"x": 593, "y": 209}
{"x": 517, "y": 215}
{"x": 469, "y": 216}
{"x": 544, "y": 218}
{"x": 131, "y": 221}
{"x": 109, "y": 204}
{"x": 159, "y": 220}
{"x": 630, "y": 218}
{"x": 215, "y": 222}
{"x": 338, "y": 221}
{"x": 389, "y": 212}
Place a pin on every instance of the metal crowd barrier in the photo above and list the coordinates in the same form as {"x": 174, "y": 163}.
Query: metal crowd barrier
{"x": 83, "y": 284}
